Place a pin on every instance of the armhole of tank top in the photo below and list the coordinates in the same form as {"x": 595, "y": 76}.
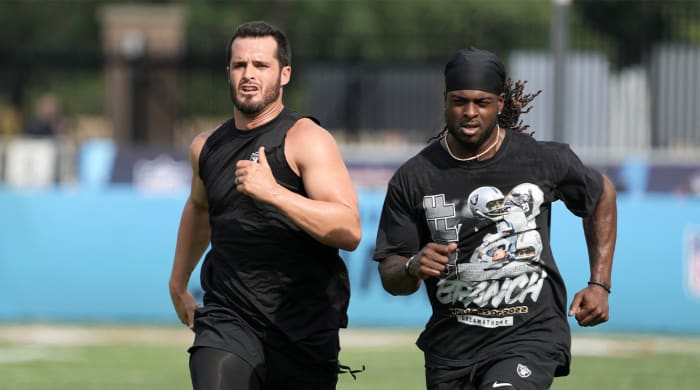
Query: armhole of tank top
{"x": 200, "y": 159}
{"x": 206, "y": 147}
{"x": 292, "y": 118}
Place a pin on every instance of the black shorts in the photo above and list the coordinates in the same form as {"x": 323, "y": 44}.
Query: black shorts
{"x": 276, "y": 360}
{"x": 524, "y": 371}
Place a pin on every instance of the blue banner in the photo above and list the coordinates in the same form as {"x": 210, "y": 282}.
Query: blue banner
{"x": 104, "y": 255}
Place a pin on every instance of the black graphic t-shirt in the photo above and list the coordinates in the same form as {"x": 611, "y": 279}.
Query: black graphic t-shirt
{"x": 261, "y": 265}
{"x": 502, "y": 291}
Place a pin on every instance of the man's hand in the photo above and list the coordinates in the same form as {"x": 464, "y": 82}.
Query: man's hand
{"x": 590, "y": 306}
{"x": 255, "y": 179}
{"x": 431, "y": 260}
{"x": 185, "y": 305}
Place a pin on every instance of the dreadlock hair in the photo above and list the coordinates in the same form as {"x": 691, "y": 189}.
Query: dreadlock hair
{"x": 515, "y": 104}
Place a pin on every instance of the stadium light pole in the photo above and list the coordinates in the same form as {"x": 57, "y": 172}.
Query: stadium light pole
{"x": 559, "y": 38}
{"x": 134, "y": 51}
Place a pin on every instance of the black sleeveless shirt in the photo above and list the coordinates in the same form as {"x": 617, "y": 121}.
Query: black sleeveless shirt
{"x": 261, "y": 265}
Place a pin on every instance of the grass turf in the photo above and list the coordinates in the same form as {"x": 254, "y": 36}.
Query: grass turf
{"x": 155, "y": 366}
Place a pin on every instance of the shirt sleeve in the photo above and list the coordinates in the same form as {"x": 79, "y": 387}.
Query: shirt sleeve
{"x": 579, "y": 186}
{"x": 397, "y": 233}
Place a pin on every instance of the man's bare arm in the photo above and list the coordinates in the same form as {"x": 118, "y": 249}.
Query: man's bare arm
{"x": 330, "y": 214}
{"x": 402, "y": 276}
{"x": 590, "y": 305}
{"x": 600, "y": 230}
{"x": 192, "y": 239}
{"x": 395, "y": 279}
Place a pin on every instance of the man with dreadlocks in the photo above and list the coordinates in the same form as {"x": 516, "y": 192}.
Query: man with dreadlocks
{"x": 469, "y": 216}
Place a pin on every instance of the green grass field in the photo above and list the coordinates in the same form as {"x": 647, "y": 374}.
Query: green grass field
{"x": 116, "y": 358}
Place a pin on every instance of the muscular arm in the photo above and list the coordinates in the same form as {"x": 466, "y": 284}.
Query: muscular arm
{"x": 402, "y": 278}
{"x": 330, "y": 214}
{"x": 395, "y": 280}
{"x": 600, "y": 230}
{"x": 590, "y": 305}
{"x": 192, "y": 239}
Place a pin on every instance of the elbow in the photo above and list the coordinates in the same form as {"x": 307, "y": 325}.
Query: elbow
{"x": 350, "y": 246}
{"x": 393, "y": 280}
{"x": 352, "y": 240}
{"x": 398, "y": 290}
{"x": 394, "y": 293}
{"x": 351, "y": 236}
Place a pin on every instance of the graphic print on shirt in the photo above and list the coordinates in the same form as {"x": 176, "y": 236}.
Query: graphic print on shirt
{"x": 441, "y": 218}
{"x": 505, "y": 271}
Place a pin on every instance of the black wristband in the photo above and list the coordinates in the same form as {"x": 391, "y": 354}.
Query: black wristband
{"x": 606, "y": 288}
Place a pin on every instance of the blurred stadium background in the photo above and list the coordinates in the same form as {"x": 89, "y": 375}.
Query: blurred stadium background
{"x": 100, "y": 99}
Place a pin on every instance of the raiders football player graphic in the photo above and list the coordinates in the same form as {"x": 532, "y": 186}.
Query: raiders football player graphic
{"x": 509, "y": 254}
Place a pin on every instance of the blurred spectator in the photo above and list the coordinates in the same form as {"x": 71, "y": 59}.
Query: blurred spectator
{"x": 47, "y": 120}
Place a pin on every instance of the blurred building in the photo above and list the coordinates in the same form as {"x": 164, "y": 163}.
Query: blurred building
{"x": 143, "y": 45}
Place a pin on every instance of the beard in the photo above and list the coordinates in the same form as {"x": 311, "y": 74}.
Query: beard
{"x": 254, "y": 107}
{"x": 454, "y": 126}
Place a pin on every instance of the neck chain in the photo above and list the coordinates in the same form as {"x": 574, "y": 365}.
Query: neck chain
{"x": 493, "y": 145}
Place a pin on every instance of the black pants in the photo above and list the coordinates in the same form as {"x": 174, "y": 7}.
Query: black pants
{"x": 228, "y": 354}
{"x": 216, "y": 369}
{"x": 524, "y": 371}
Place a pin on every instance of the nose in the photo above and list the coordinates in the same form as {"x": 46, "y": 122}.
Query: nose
{"x": 248, "y": 72}
{"x": 470, "y": 110}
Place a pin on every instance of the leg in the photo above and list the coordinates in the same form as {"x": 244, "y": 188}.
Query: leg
{"x": 226, "y": 353}
{"x": 525, "y": 372}
{"x": 290, "y": 364}
{"x": 449, "y": 378}
{"x": 215, "y": 369}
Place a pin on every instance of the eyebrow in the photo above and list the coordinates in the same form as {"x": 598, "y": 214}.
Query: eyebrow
{"x": 244, "y": 61}
{"x": 469, "y": 99}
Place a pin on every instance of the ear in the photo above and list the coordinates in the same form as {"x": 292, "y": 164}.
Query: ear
{"x": 285, "y": 75}
{"x": 501, "y": 101}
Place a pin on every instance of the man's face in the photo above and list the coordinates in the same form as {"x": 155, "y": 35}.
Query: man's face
{"x": 255, "y": 76}
{"x": 471, "y": 115}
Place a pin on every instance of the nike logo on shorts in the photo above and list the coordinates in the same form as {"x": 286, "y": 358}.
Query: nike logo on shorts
{"x": 498, "y": 384}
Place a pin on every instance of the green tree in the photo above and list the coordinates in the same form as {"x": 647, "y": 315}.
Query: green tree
{"x": 626, "y": 29}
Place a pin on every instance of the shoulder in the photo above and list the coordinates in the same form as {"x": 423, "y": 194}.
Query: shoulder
{"x": 197, "y": 145}
{"x": 309, "y": 146}
{"x": 305, "y": 124}
{"x": 564, "y": 163}
{"x": 430, "y": 155}
{"x": 525, "y": 140}
{"x": 423, "y": 163}
{"x": 559, "y": 154}
{"x": 200, "y": 139}
{"x": 544, "y": 150}
{"x": 210, "y": 135}
{"x": 308, "y": 136}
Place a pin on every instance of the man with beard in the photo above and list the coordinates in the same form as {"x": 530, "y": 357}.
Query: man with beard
{"x": 271, "y": 194}
{"x": 495, "y": 324}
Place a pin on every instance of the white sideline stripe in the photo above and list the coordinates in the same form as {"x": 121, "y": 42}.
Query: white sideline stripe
{"x": 69, "y": 335}
{"x": 633, "y": 345}
{"x": 23, "y": 354}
